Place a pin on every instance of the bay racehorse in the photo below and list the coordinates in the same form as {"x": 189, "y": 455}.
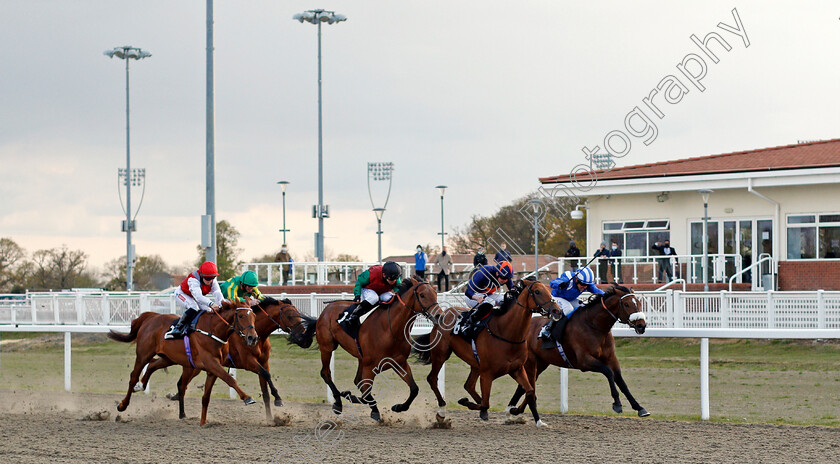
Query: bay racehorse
{"x": 206, "y": 346}
{"x": 499, "y": 350}
{"x": 588, "y": 344}
{"x": 382, "y": 343}
{"x": 269, "y": 315}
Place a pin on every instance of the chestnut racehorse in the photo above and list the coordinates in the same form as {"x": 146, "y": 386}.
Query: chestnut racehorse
{"x": 588, "y": 344}
{"x": 207, "y": 342}
{"x": 383, "y": 342}
{"x": 499, "y": 350}
{"x": 270, "y": 315}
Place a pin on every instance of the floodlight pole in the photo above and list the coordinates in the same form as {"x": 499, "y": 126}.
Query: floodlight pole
{"x": 442, "y": 189}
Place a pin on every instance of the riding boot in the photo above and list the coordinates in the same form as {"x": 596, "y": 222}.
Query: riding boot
{"x": 356, "y": 313}
{"x": 545, "y": 333}
{"x": 180, "y": 327}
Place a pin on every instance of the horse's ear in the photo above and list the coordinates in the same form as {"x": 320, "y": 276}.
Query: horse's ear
{"x": 286, "y": 301}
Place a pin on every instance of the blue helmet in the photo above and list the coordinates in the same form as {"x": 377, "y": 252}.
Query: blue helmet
{"x": 585, "y": 276}
{"x": 505, "y": 270}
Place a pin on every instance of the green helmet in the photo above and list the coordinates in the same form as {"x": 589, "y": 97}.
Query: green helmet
{"x": 250, "y": 278}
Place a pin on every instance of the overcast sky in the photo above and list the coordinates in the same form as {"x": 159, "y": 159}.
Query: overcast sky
{"x": 483, "y": 96}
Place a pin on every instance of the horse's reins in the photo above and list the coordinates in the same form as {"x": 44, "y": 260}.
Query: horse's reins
{"x": 425, "y": 311}
{"x": 230, "y": 326}
{"x": 615, "y": 316}
{"x": 282, "y": 314}
{"x": 539, "y": 306}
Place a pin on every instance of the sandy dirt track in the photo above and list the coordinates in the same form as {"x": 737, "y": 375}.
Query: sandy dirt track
{"x": 69, "y": 428}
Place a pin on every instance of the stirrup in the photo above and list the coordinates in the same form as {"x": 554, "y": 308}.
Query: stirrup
{"x": 173, "y": 333}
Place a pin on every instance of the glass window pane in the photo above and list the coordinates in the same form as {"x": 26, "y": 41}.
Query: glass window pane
{"x": 801, "y": 219}
{"x": 636, "y": 244}
{"x": 801, "y": 242}
{"x": 830, "y": 218}
{"x": 652, "y": 224}
{"x": 612, "y": 226}
{"x": 830, "y": 242}
{"x": 634, "y": 225}
{"x": 696, "y": 238}
{"x": 617, "y": 238}
{"x": 765, "y": 236}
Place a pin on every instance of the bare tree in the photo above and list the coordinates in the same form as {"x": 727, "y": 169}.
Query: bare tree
{"x": 59, "y": 268}
{"x": 11, "y": 255}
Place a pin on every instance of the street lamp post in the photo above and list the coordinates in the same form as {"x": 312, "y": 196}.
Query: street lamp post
{"x": 131, "y": 177}
{"x": 705, "y": 193}
{"x": 317, "y": 17}
{"x": 379, "y": 212}
{"x": 535, "y": 204}
{"x": 283, "y": 185}
{"x": 442, "y": 189}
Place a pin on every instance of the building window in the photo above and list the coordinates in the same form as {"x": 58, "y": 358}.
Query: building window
{"x": 635, "y": 237}
{"x": 811, "y": 236}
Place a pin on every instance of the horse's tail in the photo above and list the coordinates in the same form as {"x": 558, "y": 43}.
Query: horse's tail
{"x": 305, "y": 339}
{"x": 135, "y": 327}
{"x": 424, "y": 356}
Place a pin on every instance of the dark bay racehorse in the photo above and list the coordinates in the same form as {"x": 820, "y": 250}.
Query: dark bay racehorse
{"x": 499, "y": 350}
{"x": 207, "y": 350}
{"x": 270, "y": 314}
{"x": 588, "y": 344}
{"x": 383, "y": 342}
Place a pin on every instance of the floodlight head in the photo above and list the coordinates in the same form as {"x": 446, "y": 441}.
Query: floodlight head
{"x": 577, "y": 213}
{"x": 283, "y": 184}
{"x": 442, "y": 189}
{"x": 705, "y": 194}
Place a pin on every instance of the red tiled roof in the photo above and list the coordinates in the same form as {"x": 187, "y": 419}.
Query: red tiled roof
{"x": 799, "y": 156}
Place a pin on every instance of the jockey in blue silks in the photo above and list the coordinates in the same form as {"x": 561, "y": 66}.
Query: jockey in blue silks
{"x": 566, "y": 289}
{"x": 481, "y": 289}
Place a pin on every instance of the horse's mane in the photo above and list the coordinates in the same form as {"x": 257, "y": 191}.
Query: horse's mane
{"x": 266, "y": 301}
{"x": 407, "y": 284}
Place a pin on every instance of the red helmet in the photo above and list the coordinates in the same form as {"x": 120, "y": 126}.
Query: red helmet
{"x": 208, "y": 269}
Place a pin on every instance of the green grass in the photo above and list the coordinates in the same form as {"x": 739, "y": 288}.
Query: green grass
{"x": 780, "y": 381}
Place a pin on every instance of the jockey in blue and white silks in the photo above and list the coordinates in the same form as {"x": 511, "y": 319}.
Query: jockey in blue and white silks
{"x": 567, "y": 288}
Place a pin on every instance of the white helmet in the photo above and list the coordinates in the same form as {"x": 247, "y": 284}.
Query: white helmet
{"x": 585, "y": 276}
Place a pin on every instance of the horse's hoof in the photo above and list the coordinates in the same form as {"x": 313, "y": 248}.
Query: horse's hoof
{"x": 374, "y": 414}
{"x": 337, "y": 408}
{"x": 483, "y": 415}
{"x": 643, "y": 412}
{"x": 540, "y": 423}
{"x": 138, "y": 387}
{"x": 249, "y": 400}
{"x": 182, "y": 416}
{"x": 173, "y": 396}
{"x": 617, "y": 408}
{"x": 464, "y": 402}
{"x": 399, "y": 408}
{"x": 121, "y": 407}
{"x": 278, "y": 402}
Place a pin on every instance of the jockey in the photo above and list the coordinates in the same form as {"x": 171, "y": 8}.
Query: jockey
{"x": 566, "y": 289}
{"x": 377, "y": 284}
{"x": 481, "y": 289}
{"x": 190, "y": 296}
{"x": 240, "y": 287}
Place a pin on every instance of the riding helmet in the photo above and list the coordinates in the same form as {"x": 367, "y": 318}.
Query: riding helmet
{"x": 585, "y": 276}
{"x": 505, "y": 270}
{"x": 391, "y": 270}
{"x": 208, "y": 269}
{"x": 249, "y": 278}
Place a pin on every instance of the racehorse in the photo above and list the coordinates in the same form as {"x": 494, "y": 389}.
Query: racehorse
{"x": 587, "y": 344}
{"x": 382, "y": 343}
{"x": 270, "y": 315}
{"x": 206, "y": 346}
{"x": 499, "y": 350}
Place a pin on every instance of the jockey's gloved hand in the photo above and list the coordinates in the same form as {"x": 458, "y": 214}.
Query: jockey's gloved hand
{"x": 357, "y": 299}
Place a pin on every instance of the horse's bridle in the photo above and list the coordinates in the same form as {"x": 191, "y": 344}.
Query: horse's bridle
{"x": 282, "y": 314}
{"x": 540, "y": 306}
{"x": 425, "y": 310}
{"x": 235, "y": 325}
{"x": 615, "y": 316}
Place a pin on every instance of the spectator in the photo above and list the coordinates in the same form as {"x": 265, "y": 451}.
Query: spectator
{"x": 573, "y": 252}
{"x": 444, "y": 264}
{"x": 480, "y": 259}
{"x": 502, "y": 254}
{"x": 285, "y": 269}
{"x": 615, "y": 264}
{"x": 420, "y": 260}
{"x": 664, "y": 263}
{"x": 603, "y": 256}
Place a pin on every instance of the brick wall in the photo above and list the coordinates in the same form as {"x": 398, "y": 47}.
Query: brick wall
{"x": 809, "y": 275}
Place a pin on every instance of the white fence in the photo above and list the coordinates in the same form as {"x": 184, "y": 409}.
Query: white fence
{"x": 780, "y": 315}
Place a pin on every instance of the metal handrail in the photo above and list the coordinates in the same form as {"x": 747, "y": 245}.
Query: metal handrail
{"x": 675, "y": 281}
{"x": 766, "y": 258}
